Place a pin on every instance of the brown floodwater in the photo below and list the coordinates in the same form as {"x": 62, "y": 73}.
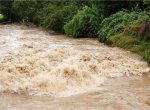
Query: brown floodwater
{"x": 43, "y": 71}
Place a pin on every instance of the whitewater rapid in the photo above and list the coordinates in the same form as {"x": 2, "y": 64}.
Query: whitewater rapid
{"x": 34, "y": 62}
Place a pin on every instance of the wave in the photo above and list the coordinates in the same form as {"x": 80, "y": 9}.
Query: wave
{"x": 62, "y": 71}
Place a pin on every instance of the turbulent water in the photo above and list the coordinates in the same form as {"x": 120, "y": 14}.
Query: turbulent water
{"x": 44, "y": 71}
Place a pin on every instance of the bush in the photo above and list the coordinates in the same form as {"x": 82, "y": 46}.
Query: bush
{"x": 54, "y": 17}
{"x": 25, "y": 10}
{"x": 51, "y": 17}
{"x": 129, "y": 40}
{"x": 116, "y": 23}
{"x": 123, "y": 40}
{"x": 1, "y": 17}
{"x": 84, "y": 24}
{"x": 5, "y": 10}
{"x": 132, "y": 29}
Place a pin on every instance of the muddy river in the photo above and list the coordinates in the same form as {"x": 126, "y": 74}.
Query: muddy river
{"x": 43, "y": 71}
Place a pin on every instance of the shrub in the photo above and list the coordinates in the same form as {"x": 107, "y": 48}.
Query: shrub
{"x": 129, "y": 40}
{"x": 123, "y": 40}
{"x": 54, "y": 17}
{"x": 1, "y": 17}
{"x": 25, "y": 10}
{"x": 5, "y": 9}
{"x": 132, "y": 29}
{"x": 116, "y": 23}
{"x": 84, "y": 24}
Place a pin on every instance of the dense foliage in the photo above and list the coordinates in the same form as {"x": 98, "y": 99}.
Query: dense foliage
{"x": 1, "y": 17}
{"x": 55, "y": 14}
{"x": 54, "y": 17}
{"x": 84, "y": 24}
{"x": 132, "y": 42}
{"x": 25, "y": 10}
{"x": 116, "y": 23}
{"x": 130, "y": 39}
{"x": 45, "y": 13}
{"x": 5, "y": 9}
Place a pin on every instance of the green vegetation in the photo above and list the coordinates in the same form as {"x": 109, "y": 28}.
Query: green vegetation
{"x": 123, "y": 30}
{"x": 130, "y": 40}
{"x": 132, "y": 43}
{"x": 1, "y": 17}
{"x": 84, "y": 24}
{"x": 25, "y": 10}
{"x": 48, "y": 14}
{"x": 117, "y": 23}
{"x": 54, "y": 17}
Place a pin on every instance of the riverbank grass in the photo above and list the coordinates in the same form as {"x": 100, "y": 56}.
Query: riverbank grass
{"x": 130, "y": 40}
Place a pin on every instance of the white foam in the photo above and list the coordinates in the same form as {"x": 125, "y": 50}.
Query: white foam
{"x": 36, "y": 68}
